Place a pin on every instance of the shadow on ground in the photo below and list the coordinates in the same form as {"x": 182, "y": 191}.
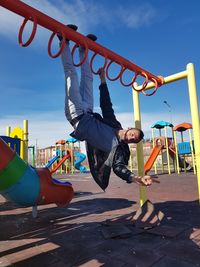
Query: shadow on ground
{"x": 73, "y": 236}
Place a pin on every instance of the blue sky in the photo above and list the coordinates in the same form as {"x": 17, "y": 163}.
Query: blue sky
{"x": 160, "y": 36}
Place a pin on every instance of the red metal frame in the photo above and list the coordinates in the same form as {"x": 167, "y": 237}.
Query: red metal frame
{"x": 53, "y": 25}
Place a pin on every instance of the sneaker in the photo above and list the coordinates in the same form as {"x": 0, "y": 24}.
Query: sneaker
{"x": 92, "y": 37}
{"x": 71, "y": 26}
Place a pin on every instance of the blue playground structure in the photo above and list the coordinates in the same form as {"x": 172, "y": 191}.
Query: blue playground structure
{"x": 80, "y": 157}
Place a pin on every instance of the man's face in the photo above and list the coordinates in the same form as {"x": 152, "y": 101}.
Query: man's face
{"x": 132, "y": 136}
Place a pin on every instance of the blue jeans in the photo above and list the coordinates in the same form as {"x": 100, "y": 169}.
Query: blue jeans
{"x": 78, "y": 98}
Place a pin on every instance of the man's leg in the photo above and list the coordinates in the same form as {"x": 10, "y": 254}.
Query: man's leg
{"x": 73, "y": 100}
{"x": 86, "y": 83}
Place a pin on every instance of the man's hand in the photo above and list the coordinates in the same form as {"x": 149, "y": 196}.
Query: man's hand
{"x": 101, "y": 73}
{"x": 146, "y": 180}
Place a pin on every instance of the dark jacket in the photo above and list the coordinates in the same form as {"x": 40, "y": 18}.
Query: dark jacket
{"x": 101, "y": 162}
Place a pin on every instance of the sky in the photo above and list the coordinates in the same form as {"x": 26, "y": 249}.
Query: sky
{"x": 158, "y": 35}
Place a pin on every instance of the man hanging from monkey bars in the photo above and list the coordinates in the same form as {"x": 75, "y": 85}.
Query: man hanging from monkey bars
{"x": 106, "y": 140}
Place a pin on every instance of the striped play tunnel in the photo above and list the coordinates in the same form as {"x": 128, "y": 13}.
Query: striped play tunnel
{"x": 28, "y": 186}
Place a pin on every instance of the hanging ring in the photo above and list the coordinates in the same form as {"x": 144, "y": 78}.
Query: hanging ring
{"x": 32, "y": 33}
{"x": 155, "y": 89}
{"x": 61, "y": 47}
{"x": 108, "y": 66}
{"x": 127, "y": 84}
{"x": 91, "y": 63}
{"x": 84, "y": 57}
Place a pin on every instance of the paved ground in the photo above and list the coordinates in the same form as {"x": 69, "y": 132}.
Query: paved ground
{"x": 96, "y": 229}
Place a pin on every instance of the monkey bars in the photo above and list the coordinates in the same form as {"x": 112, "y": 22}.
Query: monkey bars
{"x": 37, "y": 17}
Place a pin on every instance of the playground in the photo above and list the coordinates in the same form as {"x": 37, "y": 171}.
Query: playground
{"x": 57, "y": 204}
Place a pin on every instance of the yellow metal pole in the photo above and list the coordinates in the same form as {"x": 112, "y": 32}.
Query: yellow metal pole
{"x": 8, "y": 131}
{"x": 184, "y": 164}
{"x": 155, "y": 163}
{"x": 195, "y": 118}
{"x": 131, "y": 158}
{"x": 140, "y": 156}
{"x": 72, "y": 158}
{"x": 160, "y": 134}
{"x": 192, "y": 151}
{"x": 176, "y": 149}
{"x": 168, "y": 79}
{"x": 25, "y": 139}
{"x": 172, "y": 145}
{"x": 167, "y": 150}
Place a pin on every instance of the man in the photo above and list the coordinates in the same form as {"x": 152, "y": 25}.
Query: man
{"x": 107, "y": 142}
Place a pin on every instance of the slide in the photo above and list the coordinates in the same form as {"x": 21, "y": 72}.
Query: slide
{"x": 80, "y": 158}
{"x": 60, "y": 163}
{"x": 155, "y": 152}
{"x": 51, "y": 161}
{"x": 28, "y": 186}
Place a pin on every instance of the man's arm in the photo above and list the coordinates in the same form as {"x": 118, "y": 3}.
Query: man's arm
{"x": 105, "y": 101}
{"x": 120, "y": 162}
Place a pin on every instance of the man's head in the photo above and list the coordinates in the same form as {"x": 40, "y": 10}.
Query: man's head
{"x": 133, "y": 135}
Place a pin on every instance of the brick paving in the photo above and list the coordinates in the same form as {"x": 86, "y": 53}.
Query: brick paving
{"x": 96, "y": 229}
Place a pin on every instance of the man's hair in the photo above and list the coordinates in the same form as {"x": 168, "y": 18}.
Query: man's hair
{"x": 141, "y": 134}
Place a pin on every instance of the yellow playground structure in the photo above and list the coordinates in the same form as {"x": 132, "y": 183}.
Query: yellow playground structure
{"x": 21, "y": 134}
{"x": 188, "y": 74}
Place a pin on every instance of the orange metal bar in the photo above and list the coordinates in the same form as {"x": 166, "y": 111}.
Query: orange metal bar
{"x": 45, "y": 21}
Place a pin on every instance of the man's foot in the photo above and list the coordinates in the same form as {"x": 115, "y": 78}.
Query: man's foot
{"x": 71, "y": 26}
{"x": 92, "y": 37}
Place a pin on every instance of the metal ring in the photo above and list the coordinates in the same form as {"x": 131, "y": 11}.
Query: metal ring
{"x": 143, "y": 86}
{"x": 108, "y": 66}
{"x": 91, "y": 63}
{"x": 155, "y": 89}
{"x": 32, "y": 34}
{"x": 85, "y": 55}
{"x": 61, "y": 47}
{"x": 132, "y": 81}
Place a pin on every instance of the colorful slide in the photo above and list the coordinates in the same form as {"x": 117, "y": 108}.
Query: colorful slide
{"x": 80, "y": 158}
{"x": 51, "y": 161}
{"x": 61, "y": 162}
{"x": 28, "y": 186}
{"x": 155, "y": 152}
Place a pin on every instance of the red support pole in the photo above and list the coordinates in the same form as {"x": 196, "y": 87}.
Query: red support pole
{"x": 53, "y": 25}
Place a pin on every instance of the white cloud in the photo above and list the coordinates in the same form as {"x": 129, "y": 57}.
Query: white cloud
{"x": 136, "y": 16}
{"x": 86, "y": 14}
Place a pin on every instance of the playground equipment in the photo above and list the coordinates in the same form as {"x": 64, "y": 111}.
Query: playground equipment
{"x": 63, "y": 154}
{"x": 28, "y": 186}
{"x": 169, "y": 145}
{"x": 61, "y": 161}
{"x": 184, "y": 148}
{"x": 188, "y": 74}
{"x": 162, "y": 125}
{"x": 20, "y": 134}
{"x": 80, "y": 157}
{"x": 68, "y": 155}
{"x": 151, "y": 81}
{"x": 45, "y": 21}
{"x": 17, "y": 139}
{"x": 14, "y": 143}
{"x": 51, "y": 161}
{"x": 31, "y": 155}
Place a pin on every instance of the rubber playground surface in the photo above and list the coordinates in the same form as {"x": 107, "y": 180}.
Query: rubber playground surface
{"x": 96, "y": 229}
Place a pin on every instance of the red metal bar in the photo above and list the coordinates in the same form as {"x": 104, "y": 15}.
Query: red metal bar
{"x": 45, "y": 21}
